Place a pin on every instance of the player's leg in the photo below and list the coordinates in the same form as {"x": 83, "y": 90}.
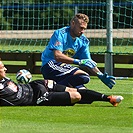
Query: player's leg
{"x": 74, "y": 95}
{"x": 75, "y": 80}
{"x": 89, "y": 96}
{"x": 59, "y": 99}
{"x": 59, "y": 96}
{"x": 60, "y": 73}
{"x": 86, "y": 96}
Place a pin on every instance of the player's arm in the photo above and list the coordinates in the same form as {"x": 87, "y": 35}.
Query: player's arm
{"x": 95, "y": 70}
{"x": 104, "y": 77}
{"x": 91, "y": 65}
{"x": 60, "y": 57}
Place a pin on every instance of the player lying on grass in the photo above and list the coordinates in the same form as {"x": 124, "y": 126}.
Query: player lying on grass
{"x": 45, "y": 93}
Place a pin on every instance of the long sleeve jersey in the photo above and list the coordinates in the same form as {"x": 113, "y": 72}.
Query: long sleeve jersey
{"x": 15, "y": 94}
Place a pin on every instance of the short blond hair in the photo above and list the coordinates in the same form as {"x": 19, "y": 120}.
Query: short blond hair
{"x": 84, "y": 17}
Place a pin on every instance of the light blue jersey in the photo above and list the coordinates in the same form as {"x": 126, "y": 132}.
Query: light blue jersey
{"x": 62, "y": 40}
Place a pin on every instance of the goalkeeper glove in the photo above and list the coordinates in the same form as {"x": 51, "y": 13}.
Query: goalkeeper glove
{"x": 106, "y": 79}
{"x": 85, "y": 62}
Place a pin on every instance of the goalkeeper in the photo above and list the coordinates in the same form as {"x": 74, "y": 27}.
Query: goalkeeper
{"x": 46, "y": 93}
{"x": 69, "y": 45}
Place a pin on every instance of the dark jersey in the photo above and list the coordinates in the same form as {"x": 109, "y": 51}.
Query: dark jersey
{"x": 37, "y": 92}
{"x": 15, "y": 94}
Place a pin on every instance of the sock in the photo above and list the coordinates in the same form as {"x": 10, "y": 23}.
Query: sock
{"x": 75, "y": 80}
{"x": 89, "y": 96}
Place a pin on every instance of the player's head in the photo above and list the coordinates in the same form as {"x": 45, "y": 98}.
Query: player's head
{"x": 2, "y": 70}
{"x": 78, "y": 24}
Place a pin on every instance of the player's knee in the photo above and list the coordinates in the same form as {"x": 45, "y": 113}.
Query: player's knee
{"x": 75, "y": 97}
{"x": 78, "y": 96}
{"x": 82, "y": 76}
{"x": 69, "y": 89}
{"x": 85, "y": 78}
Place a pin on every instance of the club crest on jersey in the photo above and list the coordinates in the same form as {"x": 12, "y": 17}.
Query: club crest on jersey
{"x": 57, "y": 43}
{"x": 12, "y": 86}
{"x": 69, "y": 52}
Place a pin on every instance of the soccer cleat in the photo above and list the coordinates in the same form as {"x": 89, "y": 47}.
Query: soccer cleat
{"x": 115, "y": 100}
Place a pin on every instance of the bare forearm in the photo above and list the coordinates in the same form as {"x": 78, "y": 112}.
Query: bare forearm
{"x": 95, "y": 70}
{"x": 60, "y": 57}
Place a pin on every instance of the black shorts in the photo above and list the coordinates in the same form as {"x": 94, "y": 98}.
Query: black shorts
{"x": 50, "y": 97}
{"x": 57, "y": 71}
{"x": 57, "y": 99}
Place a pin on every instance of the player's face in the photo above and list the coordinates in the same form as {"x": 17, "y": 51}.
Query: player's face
{"x": 78, "y": 28}
{"x": 2, "y": 70}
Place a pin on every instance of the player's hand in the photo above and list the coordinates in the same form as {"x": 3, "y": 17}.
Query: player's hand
{"x": 106, "y": 79}
{"x": 85, "y": 62}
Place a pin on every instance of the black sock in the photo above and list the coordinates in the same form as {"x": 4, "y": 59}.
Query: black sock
{"x": 89, "y": 96}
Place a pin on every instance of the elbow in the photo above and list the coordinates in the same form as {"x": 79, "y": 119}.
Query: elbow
{"x": 57, "y": 58}
{"x": 57, "y": 55}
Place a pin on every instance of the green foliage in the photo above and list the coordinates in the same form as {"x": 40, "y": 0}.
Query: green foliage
{"x": 45, "y": 15}
{"x": 35, "y": 15}
{"x": 53, "y": 14}
{"x": 3, "y": 23}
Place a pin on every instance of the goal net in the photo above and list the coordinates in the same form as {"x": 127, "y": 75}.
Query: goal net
{"x": 27, "y": 25}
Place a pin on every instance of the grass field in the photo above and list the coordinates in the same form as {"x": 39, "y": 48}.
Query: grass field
{"x": 124, "y": 49}
{"x": 99, "y": 117}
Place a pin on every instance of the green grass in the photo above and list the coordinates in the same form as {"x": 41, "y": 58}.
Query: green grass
{"x": 99, "y": 117}
{"x": 124, "y": 49}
